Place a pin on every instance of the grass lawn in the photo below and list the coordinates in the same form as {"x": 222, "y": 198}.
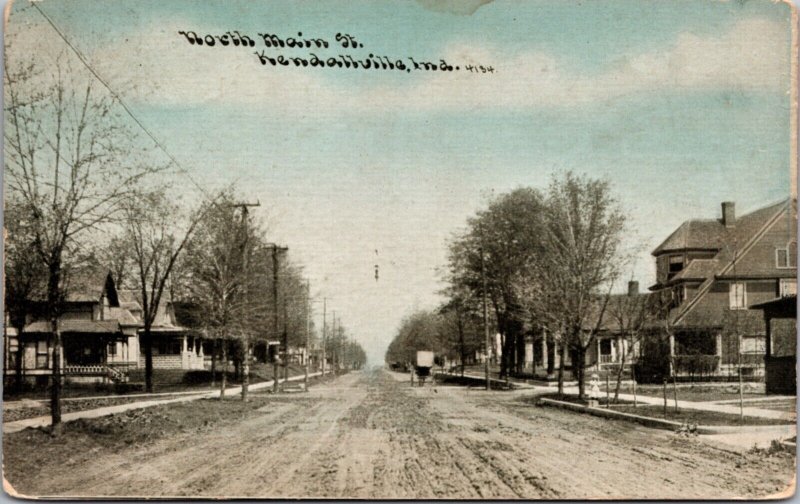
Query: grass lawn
{"x": 657, "y": 411}
{"x": 774, "y": 404}
{"x": 697, "y": 417}
{"x": 698, "y": 393}
{"x": 164, "y": 381}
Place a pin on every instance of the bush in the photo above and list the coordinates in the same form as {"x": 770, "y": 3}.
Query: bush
{"x": 653, "y": 365}
{"x": 696, "y": 365}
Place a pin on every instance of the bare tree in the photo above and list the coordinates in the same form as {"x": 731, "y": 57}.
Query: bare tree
{"x": 631, "y": 314}
{"x": 24, "y": 275}
{"x": 570, "y": 279}
{"x": 230, "y": 279}
{"x": 68, "y": 166}
{"x": 153, "y": 233}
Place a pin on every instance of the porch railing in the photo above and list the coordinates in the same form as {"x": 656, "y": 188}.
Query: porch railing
{"x": 606, "y": 359}
{"x": 93, "y": 370}
{"x": 113, "y": 373}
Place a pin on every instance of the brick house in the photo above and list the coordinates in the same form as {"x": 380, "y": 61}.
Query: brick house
{"x": 711, "y": 272}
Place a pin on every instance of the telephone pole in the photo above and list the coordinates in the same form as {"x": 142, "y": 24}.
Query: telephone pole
{"x": 308, "y": 330}
{"x": 324, "y": 330}
{"x": 486, "y": 343}
{"x": 334, "y": 358}
{"x": 275, "y": 267}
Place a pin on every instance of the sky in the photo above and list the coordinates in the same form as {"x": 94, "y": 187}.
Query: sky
{"x": 680, "y": 105}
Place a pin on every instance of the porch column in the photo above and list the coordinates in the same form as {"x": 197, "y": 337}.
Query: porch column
{"x": 529, "y": 354}
{"x": 718, "y": 352}
{"x": 184, "y": 353}
{"x": 597, "y": 349}
{"x": 556, "y": 356}
{"x": 614, "y": 344}
{"x": 544, "y": 351}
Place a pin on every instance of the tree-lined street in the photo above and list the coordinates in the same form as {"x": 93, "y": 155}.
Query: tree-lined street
{"x": 370, "y": 435}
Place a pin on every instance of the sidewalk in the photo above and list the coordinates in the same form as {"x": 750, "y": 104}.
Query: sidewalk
{"x": 44, "y": 421}
{"x": 732, "y": 409}
{"x": 517, "y": 384}
{"x": 701, "y": 406}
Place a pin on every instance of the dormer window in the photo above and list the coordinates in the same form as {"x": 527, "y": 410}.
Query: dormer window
{"x": 786, "y": 257}
{"x": 675, "y": 265}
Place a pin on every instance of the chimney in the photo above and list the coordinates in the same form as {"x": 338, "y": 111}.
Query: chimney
{"x": 633, "y": 288}
{"x": 728, "y": 213}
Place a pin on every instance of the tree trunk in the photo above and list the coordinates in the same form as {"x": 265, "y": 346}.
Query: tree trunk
{"x": 619, "y": 373}
{"x": 578, "y": 369}
{"x": 55, "y": 392}
{"x": 462, "y": 347}
{"x": 214, "y": 349}
{"x": 147, "y": 339}
{"x": 245, "y": 372}
{"x": 551, "y": 357}
{"x": 675, "y": 390}
{"x": 18, "y": 382}
{"x": 520, "y": 353}
{"x": 224, "y": 380}
{"x": 275, "y": 375}
{"x": 562, "y": 350}
{"x": 53, "y": 310}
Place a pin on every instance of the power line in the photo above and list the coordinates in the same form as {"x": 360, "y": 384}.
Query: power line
{"x": 116, "y": 96}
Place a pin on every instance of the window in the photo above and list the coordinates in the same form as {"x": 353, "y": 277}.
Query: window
{"x": 787, "y": 287}
{"x": 41, "y": 355}
{"x": 675, "y": 265}
{"x": 112, "y": 348}
{"x": 169, "y": 346}
{"x": 753, "y": 345}
{"x": 785, "y": 257}
{"x": 13, "y": 348}
{"x": 738, "y": 296}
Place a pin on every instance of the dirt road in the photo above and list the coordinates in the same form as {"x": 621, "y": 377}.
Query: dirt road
{"x": 369, "y": 435}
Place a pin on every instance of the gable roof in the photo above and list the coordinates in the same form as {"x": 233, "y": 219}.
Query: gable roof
{"x": 612, "y": 314}
{"x": 165, "y": 314}
{"x": 86, "y": 285}
{"x": 123, "y": 316}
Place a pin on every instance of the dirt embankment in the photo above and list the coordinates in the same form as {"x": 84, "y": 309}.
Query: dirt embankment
{"x": 369, "y": 435}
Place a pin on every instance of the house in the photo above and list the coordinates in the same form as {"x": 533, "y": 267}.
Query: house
{"x": 710, "y": 272}
{"x": 96, "y": 334}
{"x": 174, "y": 346}
{"x": 625, "y": 321}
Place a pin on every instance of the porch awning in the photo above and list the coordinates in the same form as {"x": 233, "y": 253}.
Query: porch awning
{"x": 786, "y": 304}
{"x": 110, "y": 327}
